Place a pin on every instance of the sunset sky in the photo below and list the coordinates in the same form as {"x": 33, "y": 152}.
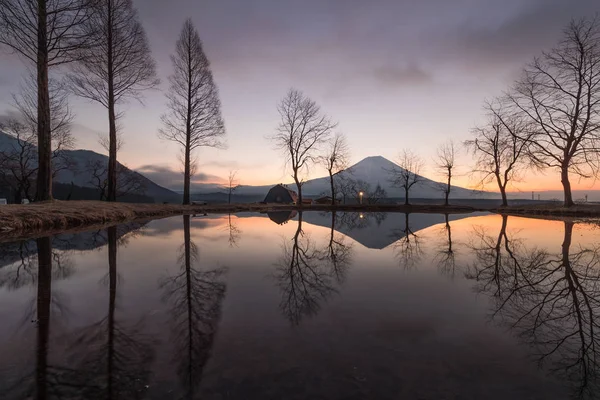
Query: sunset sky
{"x": 395, "y": 74}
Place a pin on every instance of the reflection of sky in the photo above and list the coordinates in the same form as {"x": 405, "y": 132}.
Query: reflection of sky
{"x": 386, "y": 326}
{"x": 395, "y": 74}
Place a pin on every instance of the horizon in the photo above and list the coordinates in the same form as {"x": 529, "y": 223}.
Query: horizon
{"x": 419, "y": 60}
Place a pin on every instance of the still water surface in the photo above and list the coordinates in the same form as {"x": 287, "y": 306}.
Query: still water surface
{"x": 318, "y": 306}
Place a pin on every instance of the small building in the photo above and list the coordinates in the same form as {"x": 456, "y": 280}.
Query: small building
{"x": 325, "y": 200}
{"x": 281, "y": 194}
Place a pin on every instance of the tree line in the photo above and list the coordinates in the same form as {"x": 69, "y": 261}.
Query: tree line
{"x": 547, "y": 120}
{"x": 100, "y": 51}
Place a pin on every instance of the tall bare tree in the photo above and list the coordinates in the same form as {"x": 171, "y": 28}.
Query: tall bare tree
{"x": 232, "y": 185}
{"x": 499, "y": 148}
{"x": 118, "y": 67}
{"x": 19, "y": 167}
{"x": 194, "y": 119}
{"x": 303, "y": 129}
{"x": 444, "y": 161}
{"x": 336, "y": 160}
{"x": 559, "y": 95}
{"x": 46, "y": 33}
{"x": 408, "y": 173}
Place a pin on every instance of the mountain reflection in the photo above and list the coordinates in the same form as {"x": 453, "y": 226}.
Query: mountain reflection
{"x": 550, "y": 300}
{"x": 307, "y": 273}
{"x": 194, "y": 297}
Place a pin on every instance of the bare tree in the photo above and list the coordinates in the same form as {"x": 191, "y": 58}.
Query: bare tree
{"x": 303, "y": 129}
{"x": 19, "y": 167}
{"x": 128, "y": 181}
{"x": 559, "y": 95}
{"x": 45, "y": 33}
{"x": 118, "y": 67}
{"x": 444, "y": 161}
{"x": 498, "y": 148}
{"x": 194, "y": 119}
{"x": 336, "y": 160}
{"x": 232, "y": 185}
{"x": 408, "y": 173}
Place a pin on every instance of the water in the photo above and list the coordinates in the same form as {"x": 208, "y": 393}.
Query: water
{"x": 251, "y": 306}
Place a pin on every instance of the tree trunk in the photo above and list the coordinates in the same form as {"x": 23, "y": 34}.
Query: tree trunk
{"x": 186, "y": 172}
{"x": 332, "y": 188}
{"x": 406, "y": 196}
{"x": 112, "y": 128}
{"x": 44, "y": 176}
{"x": 502, "y": 188}
{"x": 188, "y": 126}
{"x": 299, "y": 186}
{"x": 564, "y": 178}
{"x": 44, "y": 299}
{"x": 448, "y": 187}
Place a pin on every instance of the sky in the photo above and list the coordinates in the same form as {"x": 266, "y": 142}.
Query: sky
{"x": 395, "y": 74}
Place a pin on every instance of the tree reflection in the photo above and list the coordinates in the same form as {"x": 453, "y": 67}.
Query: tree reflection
{"x": 446, "y": 255}
{"x": 234, "y": 232}
{"x": 304, "y": 279}
{"x": 112, "y": 357}
{"x": 24, "y": 272}
{"x": 338, "y": 252}
{"x": 550, "y": 300}
{"x": 407, "y": 249}
{"x": 195, "y": 296}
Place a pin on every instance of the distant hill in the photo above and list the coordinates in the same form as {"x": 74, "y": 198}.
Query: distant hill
{"x": 80, "y": 175}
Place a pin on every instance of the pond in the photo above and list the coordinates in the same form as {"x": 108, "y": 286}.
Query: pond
{"x": 310, "y": 306}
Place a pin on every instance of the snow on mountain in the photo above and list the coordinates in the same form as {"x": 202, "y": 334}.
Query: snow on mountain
{"x": 373, "y": 170}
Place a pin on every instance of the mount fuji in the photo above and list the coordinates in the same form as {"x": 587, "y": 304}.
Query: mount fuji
{"x": 374, "y": 171}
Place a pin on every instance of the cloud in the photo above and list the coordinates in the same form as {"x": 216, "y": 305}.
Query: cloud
{"x": 402, "y": 75}
{"x": 166, "y": 176}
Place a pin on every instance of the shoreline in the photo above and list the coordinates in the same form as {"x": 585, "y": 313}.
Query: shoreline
{"x": 19, "y": 222}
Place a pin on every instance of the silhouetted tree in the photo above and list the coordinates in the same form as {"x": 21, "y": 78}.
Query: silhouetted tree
{"x": 232, "y": 185}
{"x": 119, "y": 66}
{"x": 445, "y": 160}
{"x": 303, "y": 129}
{"x": 336, "y": 160}
{"x": 19, "y": 165}
{"x": 408, "y": 173}
{"x": 46, "y": 33}
{"x": 128, "y": 181}
{"x": 559, "y": 95}
{"x": 195, "y": 296}
{"x": 498, "y": 148}
{"x": 194, "y": 119}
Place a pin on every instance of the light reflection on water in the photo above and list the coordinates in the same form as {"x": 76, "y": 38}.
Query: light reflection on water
{"x": 304, "y": 306}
